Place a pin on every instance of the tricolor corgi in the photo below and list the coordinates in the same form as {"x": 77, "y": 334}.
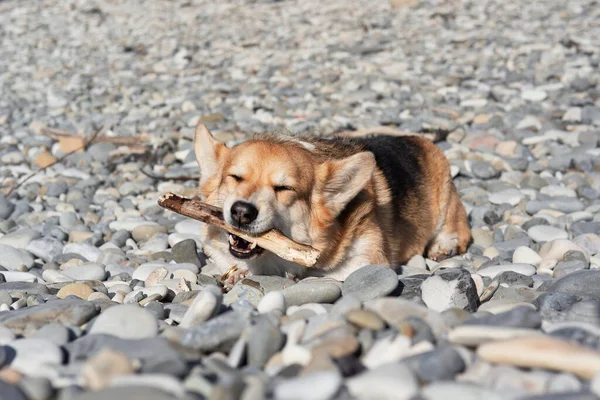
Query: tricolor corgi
{"x": 359, "y": 201}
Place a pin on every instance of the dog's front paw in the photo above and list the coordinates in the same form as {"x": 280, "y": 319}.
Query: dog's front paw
{"x": 444, "y": 246}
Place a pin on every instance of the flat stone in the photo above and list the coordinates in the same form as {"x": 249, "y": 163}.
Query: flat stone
{"x": 323, "y": 386}
{"x": 394, "y": 311}
{"x": 520, "y": 317}
{"x": 155, "y": 354}
{"x": 131, "y": 392}
{"x": 85, "y": 272}
{"x": 370, "y": 282}
{"x": 126, "y": 322}
{"x": 581, "y": 283}
{"x": 386, "y": 382}
{"x": 223, "y": 329}
{"x": 311, "y": 292}
{"x": 458, "y": 390}
{"x": 66, "y": 312}
{"x": 11, "y": 392}
{"x": 546, "y": 233}
{"x": 493, "y": 270}
{"x": 543, "y": 352}
{"x": 80, "y": 290}
{"x": 474, "y": 335}
{"x": 365, "y": 319}
{"x": 186, "y": 252}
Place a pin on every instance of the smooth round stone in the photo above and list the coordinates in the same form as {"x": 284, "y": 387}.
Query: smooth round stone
{"x": 45, "y": 248}
{"x": 388, "y": 382}
{"x": 441, "y": 363}
{"x": 34, "y": 355}
{"x": 20, "y": 238}
{"x": 370, "y": 282}
{"x": 311, "y": 292}
{"x": 13, "y": 258}
{"x": 85, "y": 250}
{"x": 188, "y": 226}
{"x": 129, "y": 224}
{"x": 543, "y": 352}
{"x": 80, "y": 290}
{"x": 205, "y": 305}
{"x": 186, "y": 252}
{"x": 492, "y": 271}
{"x": 54, "y": 332}
{"x": 126, "y": 322}
{"x": 450, "y": 288}
{"x": 546, "y": 233}
{"x": 272, "y": 301}
{"x": 145, "y": 231}
{"x": 474, "y": 335}
{"x": 557, "y": 249}
{"x": 365, "y": 319}
{"x": 323, "y": 386}
{"x": 176, "y": 237}
{"x": 525, "y": 255}
{"x": 509, "y": 196}
{"x": 85, "y": 272}
{"x": 143, "y": 271}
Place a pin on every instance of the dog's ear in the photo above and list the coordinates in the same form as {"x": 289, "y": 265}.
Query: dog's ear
{"x": 341, "y": 180}
{"x": 209, "y": 152}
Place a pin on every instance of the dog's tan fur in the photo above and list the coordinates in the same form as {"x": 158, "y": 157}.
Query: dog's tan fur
{"x": 341, "y": 203}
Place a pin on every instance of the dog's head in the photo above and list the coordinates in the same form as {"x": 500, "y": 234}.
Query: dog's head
{"x": 276, "y": 182}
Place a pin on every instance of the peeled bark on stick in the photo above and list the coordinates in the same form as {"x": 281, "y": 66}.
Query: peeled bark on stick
{"x": 273, "y": 240}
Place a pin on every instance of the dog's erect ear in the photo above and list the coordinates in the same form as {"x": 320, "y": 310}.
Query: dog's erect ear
{"x": 341, "y": 180}
{"x": 208, "y": 152}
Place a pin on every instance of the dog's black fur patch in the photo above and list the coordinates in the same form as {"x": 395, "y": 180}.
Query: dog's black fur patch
{"x": 399, "y": 160}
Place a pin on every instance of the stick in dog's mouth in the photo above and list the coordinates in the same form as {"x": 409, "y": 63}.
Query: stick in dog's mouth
{"x": 244, "y": 245}
{"x": 241, "y": 248}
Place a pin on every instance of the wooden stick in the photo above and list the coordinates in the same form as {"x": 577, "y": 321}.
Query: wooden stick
{"x": 273, "y": 240}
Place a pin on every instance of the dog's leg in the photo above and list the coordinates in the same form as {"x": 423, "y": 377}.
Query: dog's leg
{"x": 454, "y": 235}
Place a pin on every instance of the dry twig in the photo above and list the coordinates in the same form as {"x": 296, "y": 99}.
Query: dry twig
{"x": 28, "y": 177}
{"x": 273, "y": 240}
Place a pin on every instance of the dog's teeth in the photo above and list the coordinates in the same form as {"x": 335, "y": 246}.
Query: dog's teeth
{"x": 231, "y": 240}
{"x": 252, "y": 246}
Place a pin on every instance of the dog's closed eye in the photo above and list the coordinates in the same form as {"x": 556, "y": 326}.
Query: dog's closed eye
{"x": 283, "y": 188}
{"x": 237, "y": 178}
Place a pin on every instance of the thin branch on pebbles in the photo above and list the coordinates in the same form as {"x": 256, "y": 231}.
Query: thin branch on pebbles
{"x": 61, "y": 159}
{"x": 58, "y": 134}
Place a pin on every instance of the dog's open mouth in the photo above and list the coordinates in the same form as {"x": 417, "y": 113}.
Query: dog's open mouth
{"x": 241, "y": 248}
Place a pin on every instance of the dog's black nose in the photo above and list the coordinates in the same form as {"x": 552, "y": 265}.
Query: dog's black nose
{"x": 243, "y": 213}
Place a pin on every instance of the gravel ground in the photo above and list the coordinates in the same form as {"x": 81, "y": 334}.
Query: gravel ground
{"x": 104, "y": 295}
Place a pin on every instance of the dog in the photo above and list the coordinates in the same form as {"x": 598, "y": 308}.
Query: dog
{"x": 359, "y": 201}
